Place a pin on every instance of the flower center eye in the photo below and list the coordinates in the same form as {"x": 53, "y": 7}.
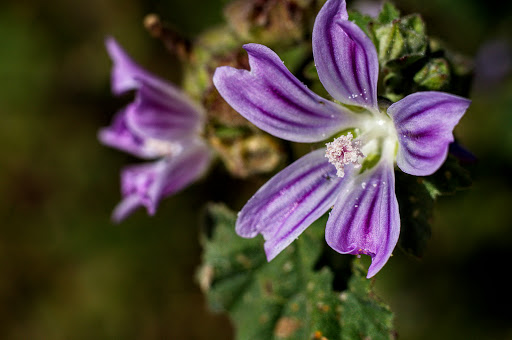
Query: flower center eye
{"x": 342, "y": 151}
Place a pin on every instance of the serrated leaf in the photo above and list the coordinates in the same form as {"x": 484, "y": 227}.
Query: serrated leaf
{"x": 283, "y": 299}
{"x": 364, "y": 316}
{"x": 286, "y": 298}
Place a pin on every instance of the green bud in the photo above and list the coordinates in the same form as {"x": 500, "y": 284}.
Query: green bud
{"x": 388, "y": 14}
{"x": 435, "y": 75}
{"x": 402, "y": 41}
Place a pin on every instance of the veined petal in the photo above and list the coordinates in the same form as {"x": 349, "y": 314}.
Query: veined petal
{"x": 345, "y": 58}
{"x": 424, "y": 123}
{"x": 365, "y": 218}
{"x": 160, "y": 110}
{"x": 119, "y": 136}
{"x": 275, "y": 101}
{"x": 289, "y": 202}
{"x": 146, "y": 184}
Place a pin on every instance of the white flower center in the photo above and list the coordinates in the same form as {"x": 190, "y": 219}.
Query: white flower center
{"x": 161, "y": 148}
{"x": 342, "y": 151}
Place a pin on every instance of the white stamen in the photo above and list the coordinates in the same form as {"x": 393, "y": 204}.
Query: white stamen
{"x": 342, "y": 151}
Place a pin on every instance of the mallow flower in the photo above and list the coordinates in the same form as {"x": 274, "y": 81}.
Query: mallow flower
{"x": 163, "y": 125}
{"x": 354, "y": 173}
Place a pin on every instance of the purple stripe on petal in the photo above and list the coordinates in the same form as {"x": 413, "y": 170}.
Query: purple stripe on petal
{"x": 424, "y": 122}
{"x": 345, "y": 58}
{"x": 289, "y": 202}
{"x": 161, "y": 111}
{"x": 146, "y": 184}
{"x": 275, "y": 101}
{"x": 365, "y": 218}
{"x": 118, "y": 135}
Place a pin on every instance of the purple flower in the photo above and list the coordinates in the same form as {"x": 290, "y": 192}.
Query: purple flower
{"x": 162, "y": 123}
{"x": 414, "y": 132}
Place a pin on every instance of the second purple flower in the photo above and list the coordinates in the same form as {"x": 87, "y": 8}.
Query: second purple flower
{"x": 162, "y": 123}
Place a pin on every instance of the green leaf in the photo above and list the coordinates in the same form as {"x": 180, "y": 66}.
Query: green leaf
{"x": 285, "y": 298}
{"x": 364, "y": 316}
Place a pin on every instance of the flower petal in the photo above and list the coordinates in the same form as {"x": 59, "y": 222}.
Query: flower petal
{"x": 161, "y": 110}
{"x": 289, "y": 202}
{"x": 124, "y": 71}
{"x": 119, "y": 136}
{"x": 365, "y": 218}
{"x": 275, "y": 101}
{"x": 146, "y": 184}
{"x": 424, "y": 122}
{"x": 345, "y": 58}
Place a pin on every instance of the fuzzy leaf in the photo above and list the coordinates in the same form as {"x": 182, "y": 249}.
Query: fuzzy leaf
{"x": 285, "y": 298}
{"x": 364, "y": 316}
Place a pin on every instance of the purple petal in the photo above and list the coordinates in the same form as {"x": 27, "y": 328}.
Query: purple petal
{"x": 275, "y": 101}
{"x": 345, "y": 58}
{"x": 365, "y": 218}
{"x": 160, "y": 110}
{"x": 424, "y": 122}
{"x": 146, "y": 184}
{"x": 124, "y": 71}
{"x": 119, "y": 136}
{"x": 289, "y": 202}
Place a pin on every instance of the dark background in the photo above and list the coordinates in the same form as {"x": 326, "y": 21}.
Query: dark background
{"x": 66, "y": 272}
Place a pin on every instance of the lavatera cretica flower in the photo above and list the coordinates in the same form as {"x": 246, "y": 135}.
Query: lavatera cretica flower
{"x": 161, "y": 124}
{"x": 354, "y": 174}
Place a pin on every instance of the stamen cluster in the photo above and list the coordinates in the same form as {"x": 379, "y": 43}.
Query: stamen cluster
{"x": 342, "y": 151}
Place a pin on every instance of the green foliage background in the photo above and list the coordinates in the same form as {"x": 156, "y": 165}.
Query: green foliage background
{"x": 67, "y": 273}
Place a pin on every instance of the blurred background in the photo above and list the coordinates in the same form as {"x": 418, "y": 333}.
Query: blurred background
{"x": 67, "y": 272}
